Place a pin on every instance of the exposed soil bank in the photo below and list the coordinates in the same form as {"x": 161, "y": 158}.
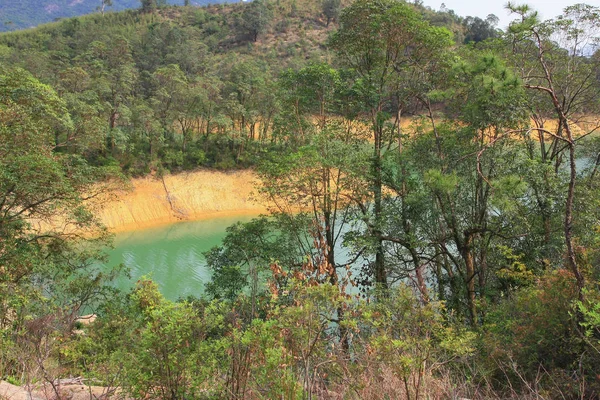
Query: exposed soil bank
{"x": 195, "y": 195}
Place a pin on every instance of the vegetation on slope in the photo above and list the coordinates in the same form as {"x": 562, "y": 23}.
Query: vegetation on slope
{"x": 432, "y": 233}
{"x": 23, "y": 14}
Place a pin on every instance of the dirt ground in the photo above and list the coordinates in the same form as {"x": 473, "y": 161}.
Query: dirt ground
{"x": 72, "y": 392}
{"x": 195, "y": 195}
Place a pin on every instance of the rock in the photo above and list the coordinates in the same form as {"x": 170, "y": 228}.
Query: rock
{"x": 86, "y": 319}
{"x": 11, "y": 392}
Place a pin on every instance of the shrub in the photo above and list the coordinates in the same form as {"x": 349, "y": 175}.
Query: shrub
{"x": 533, "y": 336}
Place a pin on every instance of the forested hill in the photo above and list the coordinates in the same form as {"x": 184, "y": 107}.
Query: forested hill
{"x": 128, "y": 77}
{"x": 22, "y": 14}
{"x": 217, "y": 65}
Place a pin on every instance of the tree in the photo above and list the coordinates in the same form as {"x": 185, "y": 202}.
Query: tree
{"x": 83, "y": 103}
{"x": 154, "y": 348}
{"x": 114, "y": 75}
{"x": 46, "y": 275}
{"x": 478, "y": 29}
{"x": 169, "y": 97}
{"x": 470, "y": 172}
{"x": 564, "y": 75}
{"x": 148, "y": 5}
{"x": 256, "y": 18}
{"x": 244, "y": 87}
{"x": 151, "y": 5}
{"x": 379, "y": 40}
{"x": 319, "y": 175}
{"x": 104, "y": 4}
{"x": 169, "y": 335}
{"x": 331, "y": 10}
{"x": 246, "y": 252}
{"x": 309, "y": 93}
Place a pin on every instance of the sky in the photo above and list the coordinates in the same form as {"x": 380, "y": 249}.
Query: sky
{"x": 482, "y": 8}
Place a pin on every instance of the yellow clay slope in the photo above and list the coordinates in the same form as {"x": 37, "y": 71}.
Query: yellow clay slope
{"x": 186, "y": 196}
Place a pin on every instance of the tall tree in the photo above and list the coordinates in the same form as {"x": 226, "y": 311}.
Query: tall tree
{"x": 319, "y": 176}
{"x": 564, "y": 74}
{"x": 331, "y": 10}
{"x": 151, "y": 5}
{"x": 478, "y": 29}
{"x": 170, "y": 83}
{"x": 104, "y": 4}
{"x": 45, "y": 273}
{"x": 114, "y": 74}
{"x": 256, "y": 18}
{"x": 379, "y": 39}
{"x": 490, "y": 107}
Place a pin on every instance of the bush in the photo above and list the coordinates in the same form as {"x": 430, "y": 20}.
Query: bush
{"x": 151, "y": 347}
{"x": 402, "y": 342}
{"x": 533, "y": 336}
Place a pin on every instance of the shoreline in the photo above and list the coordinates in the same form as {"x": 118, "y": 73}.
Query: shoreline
{"x": 202, "y": 216}
{"x": 189, "y": 196}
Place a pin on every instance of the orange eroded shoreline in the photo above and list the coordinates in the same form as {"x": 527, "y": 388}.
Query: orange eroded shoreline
{"x": 187, "y": 196}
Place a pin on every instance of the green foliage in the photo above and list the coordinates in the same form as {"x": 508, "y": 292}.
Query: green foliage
{"x": 151, "y": 5}
{"x": 439, "y": 182}
{"x": 41, "y": 186}
{"x": 536, "y": 328}
{"x": 152, "y": 347}
{"x": 296, "y": 338}
{"x": 139, "y": 95}
{"x": 242, "y": 263}
{"x": 408, "y": 338}
{"x": 227, "y": 282}
{"x": 28, "y": 14}
{"x": 515, "y": 274}
{"x": 256, "y": 18}
{"x": 167, "y": 341}
{"x": 478, "y": 29}
{"x": 495, "y": 97}
{"x": 591, "y": 314}
{"x": 466, "y": 203}
{"x": 331, "y": 10}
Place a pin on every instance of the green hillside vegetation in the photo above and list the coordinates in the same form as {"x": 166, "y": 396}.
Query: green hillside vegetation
{"x": 23, "y": 14}
{"x": 436, "y": 223}
{"x": 207, "y": 61}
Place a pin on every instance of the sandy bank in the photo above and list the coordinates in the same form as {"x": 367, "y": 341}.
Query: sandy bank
{"x": 188, "y": 196}
{"x": 45, "y": 392}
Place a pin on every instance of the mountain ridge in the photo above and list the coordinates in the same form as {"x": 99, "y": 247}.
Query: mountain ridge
{"x": 24, "y": 14}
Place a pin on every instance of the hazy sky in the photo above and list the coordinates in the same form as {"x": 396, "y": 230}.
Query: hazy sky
{"x": 481, "y": 8}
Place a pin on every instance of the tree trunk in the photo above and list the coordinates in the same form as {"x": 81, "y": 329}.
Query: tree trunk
{"x": 467, "y": 255}
{"x": 379, "y": 266}
{"x": 572, "y": 260}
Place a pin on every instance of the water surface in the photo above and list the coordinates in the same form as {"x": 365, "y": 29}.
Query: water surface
{"x": 171, "y": 255}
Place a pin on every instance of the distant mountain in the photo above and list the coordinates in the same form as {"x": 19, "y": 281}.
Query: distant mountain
{"x": 22, "y": 14}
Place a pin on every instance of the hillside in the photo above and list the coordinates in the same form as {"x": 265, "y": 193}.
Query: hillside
{"x": 22, "y": 14}
{"x": 130, "y": 77}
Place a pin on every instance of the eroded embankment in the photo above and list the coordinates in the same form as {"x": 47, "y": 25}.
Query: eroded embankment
{"x": 187, "y": 196}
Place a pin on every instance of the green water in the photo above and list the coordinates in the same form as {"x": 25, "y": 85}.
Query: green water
{"x": 171, "y": 255}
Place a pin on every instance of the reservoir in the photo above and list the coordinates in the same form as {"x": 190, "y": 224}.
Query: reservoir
{"x": 171, "y": 255}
